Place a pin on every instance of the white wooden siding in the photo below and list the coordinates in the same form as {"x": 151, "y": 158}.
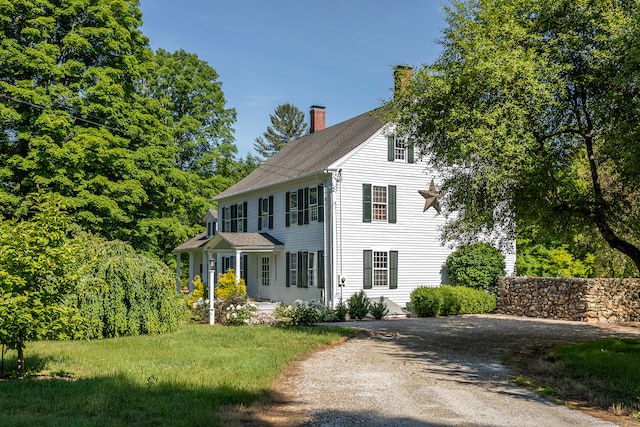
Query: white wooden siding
{"x": 415, "y": 235}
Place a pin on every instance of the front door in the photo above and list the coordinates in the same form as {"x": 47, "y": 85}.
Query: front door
{"x": 264, "y": 277}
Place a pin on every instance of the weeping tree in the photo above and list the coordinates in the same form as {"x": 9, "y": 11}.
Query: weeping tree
{"x": 532, "y": 110}
{"x": 120, "y": 292}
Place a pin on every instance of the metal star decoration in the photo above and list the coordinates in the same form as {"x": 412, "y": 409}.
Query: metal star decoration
{"x": 431, "y": 197}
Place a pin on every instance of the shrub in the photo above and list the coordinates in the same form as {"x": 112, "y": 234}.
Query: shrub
{"x": 379, "y": 309}
{"x": 478, "y": 265}
{"x": 198, "y": 292}
{"x": 238, "y": 314}
{"x": 359, "y": 305}
{"x": 301, "y": 313}
{"x": 229, "y": 287}
{"x": 427, "y": 302}
{"x": 341, "y": 311}
{"x": 451, "y": 300}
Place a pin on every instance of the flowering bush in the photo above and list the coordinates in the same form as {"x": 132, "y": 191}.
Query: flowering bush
{"x": 263, "y": 318}
{"x": 302, "y": 313}
{"x": 239, "y": 314}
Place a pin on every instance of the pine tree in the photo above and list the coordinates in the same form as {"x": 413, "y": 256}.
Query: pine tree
{"x": 287, "y": 125}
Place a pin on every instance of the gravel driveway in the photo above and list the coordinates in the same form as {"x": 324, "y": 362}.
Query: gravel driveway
{"x": 430, "y": 372}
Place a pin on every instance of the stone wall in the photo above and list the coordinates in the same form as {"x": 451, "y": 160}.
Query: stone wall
{"x": 588, "y": 300}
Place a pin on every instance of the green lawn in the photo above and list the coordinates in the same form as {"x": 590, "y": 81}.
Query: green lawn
{"x": 604, "y": 374}
{"x": 177, "y": 379}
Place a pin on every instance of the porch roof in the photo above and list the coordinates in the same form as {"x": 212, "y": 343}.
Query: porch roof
{"x": 194, "y": 243}
{"x": 247, "y": 242}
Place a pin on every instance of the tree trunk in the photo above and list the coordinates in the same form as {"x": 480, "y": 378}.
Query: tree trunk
{"x": 616, "y": 242}
{"x": 20, "y": 367}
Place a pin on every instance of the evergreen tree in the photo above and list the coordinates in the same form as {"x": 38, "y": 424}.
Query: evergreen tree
{"x": 287, "y": 124}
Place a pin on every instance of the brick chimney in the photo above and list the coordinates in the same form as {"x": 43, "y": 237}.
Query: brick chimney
{"x": 317, "y": 118}
{"x": 402, "y": 79}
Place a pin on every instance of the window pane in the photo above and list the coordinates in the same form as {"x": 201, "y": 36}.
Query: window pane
{"x": 293, "y": 208}
{"x": 379, "y": 203}
{"x": 400, "y": 148}
{"x": 293, "y": 269}
{"x": 265, "y": 271}
{"x": 380, "y": 269}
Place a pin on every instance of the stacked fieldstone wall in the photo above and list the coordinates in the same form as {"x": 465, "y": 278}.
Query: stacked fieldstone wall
{"x": 588, "y": 300}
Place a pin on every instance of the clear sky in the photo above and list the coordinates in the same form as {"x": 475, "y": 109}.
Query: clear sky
{"x": 335, "y": 53}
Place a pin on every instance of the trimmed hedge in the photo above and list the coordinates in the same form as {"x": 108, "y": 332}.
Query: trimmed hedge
{"x": 450, "y": 300}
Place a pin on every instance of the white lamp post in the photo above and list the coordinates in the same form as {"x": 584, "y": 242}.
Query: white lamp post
{"x": 212, "y": 273}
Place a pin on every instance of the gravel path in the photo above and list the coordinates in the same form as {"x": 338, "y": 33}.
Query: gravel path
{"x": 430, "y": 372}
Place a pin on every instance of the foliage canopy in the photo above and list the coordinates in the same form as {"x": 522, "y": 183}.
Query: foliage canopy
{"x": 532, "y": 111}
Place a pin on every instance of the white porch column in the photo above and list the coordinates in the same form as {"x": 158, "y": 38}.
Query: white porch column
{"x": 191, "y": 268}
{"x": 211, "y": 265}
{"x": 237, "y": 267}
{"x": 205, "y": 267}
{"x": 178, "y": 260}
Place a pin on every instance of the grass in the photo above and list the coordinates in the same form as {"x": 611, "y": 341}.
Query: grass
{"x": 178, "y": 379}
{"x": 600, "y": 374}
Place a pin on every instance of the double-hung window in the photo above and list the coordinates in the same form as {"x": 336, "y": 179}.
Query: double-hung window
{"x": 313, "y": 203}
{"x": 304, "y": 205}
{"x": 380, "y": 269}
{"x": 400, "y": 149}
{"x": 305, "y": 269}
{"x": 265, "y": 213}
{"x": 378, "y": 203}
{"x": 234, "y": 218}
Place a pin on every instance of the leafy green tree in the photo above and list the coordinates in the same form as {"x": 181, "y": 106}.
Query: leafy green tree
{"x": 478, "y": 265}
{"x": 532, "y": 109}
{"x": 35, "y": 256}
{"x": 287, "y": 124}
{"x": 188, "y": 88}
{"x": 136, "y": 144}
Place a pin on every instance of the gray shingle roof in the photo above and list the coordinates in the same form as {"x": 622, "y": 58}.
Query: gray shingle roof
{"x": 194, "y": 243}
{"x": 309, "y": 154}
{"x": 245, "y": 240}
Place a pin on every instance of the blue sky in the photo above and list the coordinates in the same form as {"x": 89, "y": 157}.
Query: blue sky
{"x": 335, "y": 53}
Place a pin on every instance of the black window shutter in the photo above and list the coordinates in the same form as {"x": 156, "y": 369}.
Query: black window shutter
{"x": 305, "y": 269}
{"x": 288, "y": 269}
{"x": 410, "y": 150}
{"x": 306, "y": 205}
{"x": 393, "y": 270}
{"x": 300, "y": 206}
{"x": 392, "y": 204}
{"x": 287, "y": 208}
{"x": 224, "y": 216}
{"x": 320, "y": 269}
{"x": 368, "y": 269}
{"x": 245, "y": 266}
{"x": 320, "y": 203}
{"x": 245, "y": 214}
{"x": 260, "y": 214}
{"x": 391, "y": 142}
{"x": 270, "y": 212}
{"x": 300, "y": 269}
{"x": 366, "y": 202}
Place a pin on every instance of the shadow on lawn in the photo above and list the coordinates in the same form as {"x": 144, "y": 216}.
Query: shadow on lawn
{"x": 114, "y": 401}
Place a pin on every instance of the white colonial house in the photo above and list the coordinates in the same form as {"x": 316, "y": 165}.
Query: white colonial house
{"x": 344, "y": 208}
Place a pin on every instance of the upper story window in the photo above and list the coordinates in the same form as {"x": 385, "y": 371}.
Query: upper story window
{"x": 304, "y": 205}
{"x": 234, "y": 218}
{"x": 211, "y": 228}
{"x": 313, "y": 203}
{"x": 265, "y": 213}
{"x": 378, "y": 203}
{"x": 399, "y": 149}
